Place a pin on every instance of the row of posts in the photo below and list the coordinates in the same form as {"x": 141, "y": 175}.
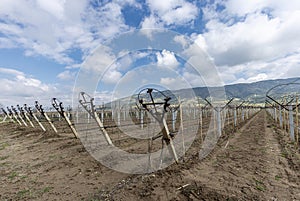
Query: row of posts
{"x": 221, "y": 116}
{"x": 288, "y": 119}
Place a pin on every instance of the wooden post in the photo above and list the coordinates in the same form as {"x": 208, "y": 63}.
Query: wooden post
{"x": 70, "y": 124}
{"x": 50, "y": 122}
{"x": 28, "y": 119}
{"x": 168, "y": 139}
{"x": 21, "y": 119}
{"x": 16, "y": 118}
{"x": 86, "y": 100}
{"x": 37, "y": 120}
{"x": 100, "y": 124}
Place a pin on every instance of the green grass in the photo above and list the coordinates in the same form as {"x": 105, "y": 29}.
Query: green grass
{"x": 277, "y": 177}
{"x": 3, "y": 164}
{"x": 3, "y": 158}
{"x": 259, "y": 185}
{"x": 12, "y": 175}
{"x": 4, "y": 145}
{"x": 24, "y": 177}
{"x": 23, "y": 193}
{"x": 46, "y": 189}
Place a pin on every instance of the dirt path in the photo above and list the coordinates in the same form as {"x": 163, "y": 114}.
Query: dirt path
{"x": 253, "y": 166}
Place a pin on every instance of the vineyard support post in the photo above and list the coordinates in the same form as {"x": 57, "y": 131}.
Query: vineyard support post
{"x": 7, "y": 115}
{"x": 275, "y": 114}
{"x": 160, "y": 118}
{"x": 173, "y": 118}
{"x": 24, "y": 113}
{"x": 119, "y": 114}
{"x": 181, "y": 124}
{"x": 169, "y": 141}
{"x": 14, "y": 116}
{"x": 201, "y": 115}
{"x": 50, "y": 122}
{"x": 37, "y": 120}
{"x": 18, "y": 114}
{"x": 3, "y": 120}
{"x": 142, "y": 119}
{"x": 60, "y": 109}
{"x": 70, "y": 125}
{"x": 28, "y": 119}
{"x": 243, "y": 114}
{"x": 102, "y": 113}
{"x": 219, "y": 122}
{"x": 43, "y": 113}
{"x": 100, "y": 124}
{"x": 291, "y": 121}
{"x": 280, "y": 117}
{"x": 234, "y": 116}
{"x": 297, "y": 120}
{"x": 92, "y": 112}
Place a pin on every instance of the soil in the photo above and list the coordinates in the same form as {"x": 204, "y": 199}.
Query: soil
{"x": 256, "y": 162}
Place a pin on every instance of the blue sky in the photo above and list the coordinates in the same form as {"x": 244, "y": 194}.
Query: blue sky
{"x": 43, "y": 44}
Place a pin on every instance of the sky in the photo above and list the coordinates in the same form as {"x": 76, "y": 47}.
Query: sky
{"x": 45, "y": 44}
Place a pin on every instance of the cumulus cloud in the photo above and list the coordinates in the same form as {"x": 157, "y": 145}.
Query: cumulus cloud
{"x": 177, "y": 12}
{"x": 250, "y": 40}
{"x": 166, "y": 59}
{"x": 18, "y": 88}
{"x": 67, "y": 75}
{"x": 52, "y": 28}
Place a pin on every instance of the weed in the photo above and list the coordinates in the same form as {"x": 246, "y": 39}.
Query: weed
{"x": 284, "y": 154}
{"x": 3, "y": 158}
{"x": 259, "y": 185}
{"x": 23, "y": 193}
{"x": 4, "y": 145}
{"x": 46, "y": 189}
{"x": 277, "y": 177}
{"x": 12, "y": 175}
{"x": 24, "y": 177}
{"x": 3, "y": 164}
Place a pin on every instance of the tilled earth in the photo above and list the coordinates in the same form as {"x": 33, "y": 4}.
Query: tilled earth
{"x": 257, "y": 162}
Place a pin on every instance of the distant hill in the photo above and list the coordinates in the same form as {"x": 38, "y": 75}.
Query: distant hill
{"x": 254, "y": 92}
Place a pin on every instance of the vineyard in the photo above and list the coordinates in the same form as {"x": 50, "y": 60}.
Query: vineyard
{"x": 154, "y": 146}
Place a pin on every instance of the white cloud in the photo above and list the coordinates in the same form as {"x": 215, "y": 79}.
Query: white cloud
{"x": 177, "y": 12}
{"x": 251, "y": 40}
{"x": 175, "y": 83}
{"x": 111, "y": 76}
{"x": 258, "y": 70}
{"x": 67, "y": 75}
{"x": 151, "y": 22}
{"x": 54, "y": 7}
{"x": 194, "y": 79}
{"x": 53, "y": 28}
{"x": 167, "y": 59}
{"x": 6, "y": 43}
{"x": 99, "y": 60}
{"x": 19, "y": 88}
